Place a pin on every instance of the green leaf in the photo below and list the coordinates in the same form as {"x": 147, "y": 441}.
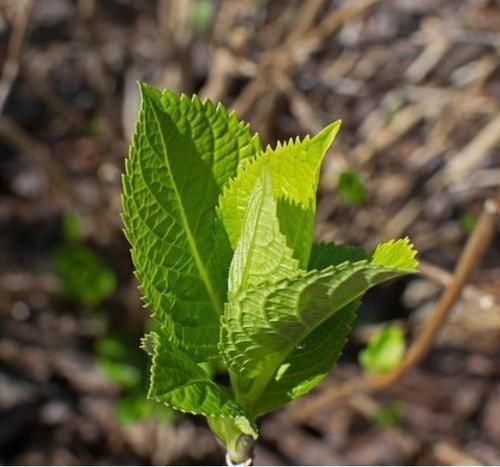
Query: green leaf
{"x": 71, "y": 227}
{"x": 467, "y": 222}
{"x": 315, "y": 356}
{"x": 384, "y": 351}
{"x": 221, "y": 236}
{"x": 309, "y": 362}
{"x": 202, "y": 15}
{"x": 398, "y": 254}
{"x": 261, "y": 253}
{"x": 351, "y": 187}
{"x": 123, "y": 374}
{"x": 388, "y": 415}
{"x": 179, "y": 382}
{"x": 263, "y": 325}
{"x": 182, "y": 154}
{"x": 135, "y": 408}
{"x": 294, "y": 171}
{"x": 83, "y": 276}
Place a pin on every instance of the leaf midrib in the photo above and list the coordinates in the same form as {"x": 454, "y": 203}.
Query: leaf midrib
{"x": 214, "y": 298}
{"x": 253, "y": 239}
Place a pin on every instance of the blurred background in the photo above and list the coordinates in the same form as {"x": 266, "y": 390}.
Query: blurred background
{"x": 417, "y": 85}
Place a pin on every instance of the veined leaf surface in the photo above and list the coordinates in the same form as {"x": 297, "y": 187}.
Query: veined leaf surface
{"x": 182, "y": 153}
{"x": 315, "y": 356}
{"x": 294, "y": 171}
{"x": 262, "y": 253}
{"x": 179, "y": 382}
{"x": 263, "y": 325}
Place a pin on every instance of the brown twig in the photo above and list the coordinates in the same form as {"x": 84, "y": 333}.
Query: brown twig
{"x": 447, "y": 454}
{"x": 10, "y": 70}
{"x": 471, "y": 256}
{"x": 442, "y": 277}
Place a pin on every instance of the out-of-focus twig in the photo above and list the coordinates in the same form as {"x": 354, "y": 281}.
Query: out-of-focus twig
{"x": 295, "y": 51}
{"x": 13, "y": 135}
{"x": 38, "y": 83}
{"x": 471, "y": 256}
{"x": 448, "y": 454}
{"x": 298, "y": 51}
{"x": 471, "y": 155}
{"x": 442, "y": 277}
{"x": 10, "y": 70}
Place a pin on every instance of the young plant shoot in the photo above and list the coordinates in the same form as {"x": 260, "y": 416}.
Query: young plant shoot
{"x": 221, "y": 231}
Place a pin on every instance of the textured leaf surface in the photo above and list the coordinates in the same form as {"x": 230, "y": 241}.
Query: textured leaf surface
{"x": 398, "y": 254}
{"x": 179, "y": 382}
{"x": 183, "y": 152}
{"x": 294, "y": 171}
{"x": 263, "y": 325}
{"x": 315, "y": 356}
{"x": 262, "y": 253}
{"x": 309, "y": 361}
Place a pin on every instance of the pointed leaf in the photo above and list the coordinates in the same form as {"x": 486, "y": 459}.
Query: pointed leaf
{"x": 398, "y": 254}
{"x": 294, "y": 171}
{"x": 182, "y": 153}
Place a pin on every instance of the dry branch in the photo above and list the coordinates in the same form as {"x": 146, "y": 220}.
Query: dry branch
{"x": 10, "y": 69}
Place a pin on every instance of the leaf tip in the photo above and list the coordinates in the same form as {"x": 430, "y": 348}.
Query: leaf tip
{"x": 326, "y": 136}
{"x": 396, "y": 254}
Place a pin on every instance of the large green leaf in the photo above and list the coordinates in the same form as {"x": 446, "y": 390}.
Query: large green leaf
{"x": 179, "y": 382}
{"x": 263, "y": 325}
{"x": 182, "y": 153}
{"x": 294, "y": 171}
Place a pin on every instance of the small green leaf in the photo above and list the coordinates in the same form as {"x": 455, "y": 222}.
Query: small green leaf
{"x": 135, "y": 408}
{"x": 124, "y": 375}
{"x": 467, "y": 222}
{"x": 83, "y": 276}
{"x": 202, "y": 14}
{"x": 351, "y": 187}
{"x": 71, "y": 227}
{"x": 388, "y": 415}
{"x": 384, "y": 351}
